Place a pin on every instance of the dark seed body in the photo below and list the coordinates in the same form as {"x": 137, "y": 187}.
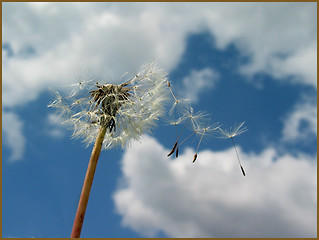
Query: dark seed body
{"x": 242, "y": 169}
{"x": 173, "y": 150}
{"x": 195, "y": 157}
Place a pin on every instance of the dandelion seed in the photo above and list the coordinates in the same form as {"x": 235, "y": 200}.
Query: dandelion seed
{"x": 231, "y": 133}
{"x": 242, "y": 170}
{"x": 177, "y": 152}
{"x": 179, "y": 107}
{"x": 196, "y": 122}
{"x": 204, "y": 132}
{"x": 195, "y": 157}
{"x": 173, "y": 150}
{"x": 182, "y": 112}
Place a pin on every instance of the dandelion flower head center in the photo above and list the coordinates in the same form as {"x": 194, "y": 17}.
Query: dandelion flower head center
{"x": 110, "y": 98}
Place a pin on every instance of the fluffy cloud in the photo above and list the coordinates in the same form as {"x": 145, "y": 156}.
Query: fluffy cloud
{"x": 198, "y": 81}
{"x": 107, "y": 41}
{"x": 13, "y": 136}
{"x": 278, "y": 38}
{"x": 211, "y": 198}
{"x": 54, "y": 128}
{"x": 301, "y": 123}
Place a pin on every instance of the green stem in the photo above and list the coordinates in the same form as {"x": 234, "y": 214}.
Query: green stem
{"x": 84, "y": 198}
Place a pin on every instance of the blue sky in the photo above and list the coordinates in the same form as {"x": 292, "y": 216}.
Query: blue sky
{"x": 252, "y": 62}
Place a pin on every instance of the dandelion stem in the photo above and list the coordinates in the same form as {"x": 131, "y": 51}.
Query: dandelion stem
{"x": 84, "y": 198}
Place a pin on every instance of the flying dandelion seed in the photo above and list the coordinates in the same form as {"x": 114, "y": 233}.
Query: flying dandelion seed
{"x": 173, "y": 150}
{"x": 231, "y": 133}
{"x": 195, "y": 122}
{"x": 202, "y": 132}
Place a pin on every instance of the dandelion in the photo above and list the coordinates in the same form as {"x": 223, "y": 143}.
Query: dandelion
{"x": 111, "y": 115}
{"x": 231, "y": 133}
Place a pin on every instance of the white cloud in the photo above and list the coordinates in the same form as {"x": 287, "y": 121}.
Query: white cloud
{"x": 103, "y": 39}
{"x": 54, "y": 128}
{"x": 56, "y": 133}
{"x": 111, "y": 38}
{"x": 211, "y": 198}
{"x": 300, "y": 124}
{"x": 197, "y": 82}
{"x": 12, "y": 128}
{"x": 300, "y": 65}
{"x": 279, "y": 39}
